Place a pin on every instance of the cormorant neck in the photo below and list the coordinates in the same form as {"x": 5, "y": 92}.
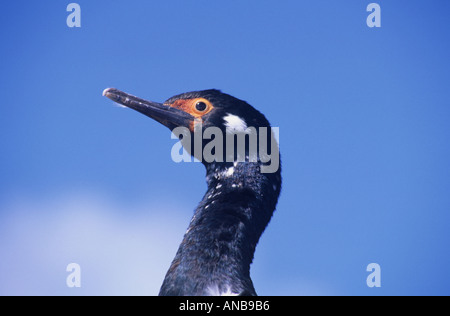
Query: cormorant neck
{"x": 217, "y": 249}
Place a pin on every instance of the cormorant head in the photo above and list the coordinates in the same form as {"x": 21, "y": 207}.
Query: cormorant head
{"x": 199, "y": 111}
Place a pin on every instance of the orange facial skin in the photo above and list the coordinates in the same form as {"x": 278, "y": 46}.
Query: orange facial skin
{"x": 197, "y": 107}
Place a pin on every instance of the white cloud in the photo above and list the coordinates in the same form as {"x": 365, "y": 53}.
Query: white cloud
{"x": 121, "y": 250}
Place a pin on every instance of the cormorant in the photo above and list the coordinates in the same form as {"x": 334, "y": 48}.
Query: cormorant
{"x": 217, "y": 249}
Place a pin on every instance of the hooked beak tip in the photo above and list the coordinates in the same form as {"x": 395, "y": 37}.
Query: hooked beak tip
{"x": 108, "y": 92}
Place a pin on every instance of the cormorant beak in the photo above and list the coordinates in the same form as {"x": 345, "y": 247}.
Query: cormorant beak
{"x": 166, "y": 115}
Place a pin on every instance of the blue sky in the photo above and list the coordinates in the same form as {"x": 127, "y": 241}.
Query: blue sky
{"x": 364, "y": 133}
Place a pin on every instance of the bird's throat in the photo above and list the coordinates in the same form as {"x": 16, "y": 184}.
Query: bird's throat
{"x": 219, "y": 244}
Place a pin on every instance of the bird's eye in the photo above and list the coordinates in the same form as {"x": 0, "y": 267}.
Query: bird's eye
{"x": 200, "y": 106}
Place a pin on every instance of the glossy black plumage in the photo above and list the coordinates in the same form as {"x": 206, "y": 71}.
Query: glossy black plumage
{"x": 217, "y": 249}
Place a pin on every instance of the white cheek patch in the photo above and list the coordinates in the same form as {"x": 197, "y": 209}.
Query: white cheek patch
{"x": 234, "y": 124}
